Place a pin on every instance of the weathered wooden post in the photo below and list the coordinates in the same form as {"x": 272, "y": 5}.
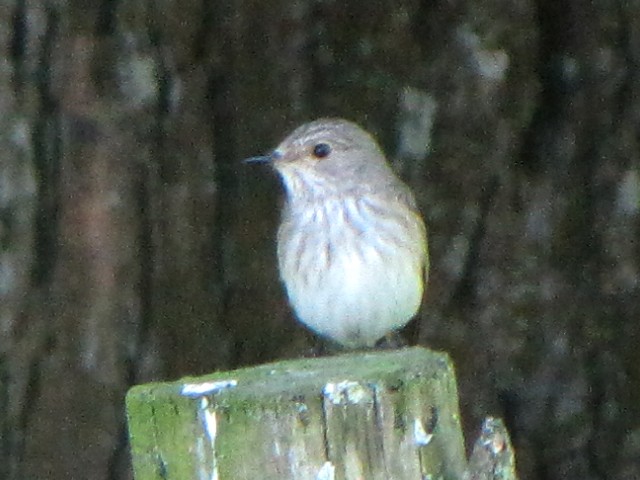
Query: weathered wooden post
{"x": 378, "y": 415}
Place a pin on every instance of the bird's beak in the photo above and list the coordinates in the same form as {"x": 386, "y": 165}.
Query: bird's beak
{"x": 270, "y": 158}
{"x": 259, "y": 159}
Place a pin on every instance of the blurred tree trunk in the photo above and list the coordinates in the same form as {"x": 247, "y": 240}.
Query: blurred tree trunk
{"x": 134, "y": 246}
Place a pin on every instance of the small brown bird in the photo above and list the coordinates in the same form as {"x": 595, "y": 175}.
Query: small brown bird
{"x": 352, "y": 246}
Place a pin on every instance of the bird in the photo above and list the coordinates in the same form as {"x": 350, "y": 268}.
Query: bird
{"x": 351, "y": 245}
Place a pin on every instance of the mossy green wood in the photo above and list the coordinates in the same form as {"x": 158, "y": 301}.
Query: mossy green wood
{"x": 375, "y": 415}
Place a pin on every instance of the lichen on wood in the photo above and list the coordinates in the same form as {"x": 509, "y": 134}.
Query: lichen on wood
{"x": 378, "y": 415}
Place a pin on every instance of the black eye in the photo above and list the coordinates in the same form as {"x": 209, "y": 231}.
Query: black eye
{"x": 321, "y": 150}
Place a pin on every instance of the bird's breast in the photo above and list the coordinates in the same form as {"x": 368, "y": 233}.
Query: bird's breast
{"x": 348, "y": 267}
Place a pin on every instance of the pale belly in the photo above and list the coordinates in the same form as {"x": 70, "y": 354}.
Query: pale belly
{"x": 357, "y": 304}
{"x": 346, "y": 290}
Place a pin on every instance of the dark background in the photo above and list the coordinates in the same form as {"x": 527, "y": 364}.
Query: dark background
{"x": 134, "y": 246}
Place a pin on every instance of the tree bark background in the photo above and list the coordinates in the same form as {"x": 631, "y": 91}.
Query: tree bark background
{"x": 134, "y": 245}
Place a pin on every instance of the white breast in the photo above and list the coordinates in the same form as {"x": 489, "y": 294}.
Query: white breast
{"x": 346, "y": 274}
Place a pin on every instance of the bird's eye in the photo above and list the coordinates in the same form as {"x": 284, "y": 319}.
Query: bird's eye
{"x": 321, "y": 150}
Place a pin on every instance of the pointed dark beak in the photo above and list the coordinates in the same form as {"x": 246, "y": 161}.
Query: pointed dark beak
{"x": 259, "y": 159}
{"x": 270, "y": 158}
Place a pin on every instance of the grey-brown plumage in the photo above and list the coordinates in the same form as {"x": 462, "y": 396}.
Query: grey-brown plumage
{"x": 352, "y": 247}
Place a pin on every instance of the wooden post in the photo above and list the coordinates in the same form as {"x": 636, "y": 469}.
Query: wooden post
{"x": 377, "y": 415}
